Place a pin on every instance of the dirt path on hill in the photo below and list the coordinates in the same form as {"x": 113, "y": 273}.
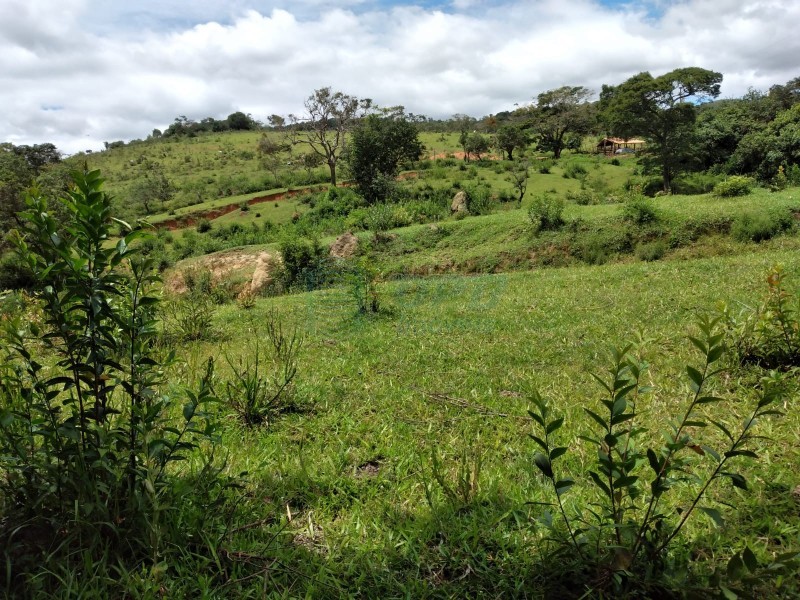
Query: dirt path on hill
{"x": 192, "y": 218}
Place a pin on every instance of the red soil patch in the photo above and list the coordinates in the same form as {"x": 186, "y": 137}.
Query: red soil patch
{"x": 214, "y": 213}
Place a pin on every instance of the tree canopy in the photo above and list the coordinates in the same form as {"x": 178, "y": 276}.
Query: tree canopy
{"x": 558, "y": 113}
{"x": 330, "y": 115}
{"x": 378, "y": 146}
{"x": 663, "y": 110}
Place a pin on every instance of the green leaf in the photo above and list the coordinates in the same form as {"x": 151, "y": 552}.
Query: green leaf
{"x": 564, "y": 485}
{"x": 709, "y": 400}
{"x": 715, "y": 515}
{"x": 749, "y": 560}
{"x": 600, "y": 483}
{"x": 601, "y": 382}
{"x": 715, "y": 353}
{"x": 539, "y": 441}
{"x": 712, "y": 452}
{"x": 735, "y": 568}
{"x": 189, "y": 410}
{"x": 536, "y": 418}
{"x": 729, "y": 595}
{"x": 655, "y": 464}
{"x": 695, "y": 375}
{"x": 723, "y": 429}
{"x": 556, "y": 452}
{"x": 732, "y": 453}
{"x": 543, "y": 463}
{"x": 554, "y": 425}
{"x": 597, "y": 418}
{"x": 698, "y": 344}
{"x": 736, "y": 479}
{"x": 625, "y": 481}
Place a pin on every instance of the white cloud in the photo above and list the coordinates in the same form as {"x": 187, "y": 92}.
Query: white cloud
{"x": 116, "y": 73}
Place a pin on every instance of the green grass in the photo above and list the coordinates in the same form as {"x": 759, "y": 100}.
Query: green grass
{"x": 379, "y": 394}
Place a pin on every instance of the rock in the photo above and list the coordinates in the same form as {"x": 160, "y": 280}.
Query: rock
{"x": 345, "y": 246}
{"x": 459, "y": 203}
{"x": 262, "y": 276}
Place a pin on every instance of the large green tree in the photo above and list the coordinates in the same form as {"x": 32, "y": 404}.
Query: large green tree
{"x": 663, "y": 110}
{"x": 378, "y": 146}
{"x": 559, "y": 113}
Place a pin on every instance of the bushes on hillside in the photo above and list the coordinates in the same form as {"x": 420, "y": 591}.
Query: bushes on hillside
{"x": 546, "y": 212}
{"x": 736, "y": 185}
{"x": 639, "y": 210}
{"x": 760, "y": 226}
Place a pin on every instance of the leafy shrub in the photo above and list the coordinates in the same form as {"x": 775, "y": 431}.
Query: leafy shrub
{"x": 479, "y": 200}
{"x": 189, "y": 317}
{"x": 15, "y": 274}
{"x": 363, "y": 279}
{"x": 574, "y": 170}
{"x": 545, "y": 166}
{"x": 305, "y": 263}
{"x": 736, "y": 185}
{"x": 87, "y": 445}
{"x": 203, "y": 225}
{"x": 631, "y": 531}
{"x": 695, "y": 183}
{"x": 794, "y": 175}
{"x": 639, "y": 210}
{"x": 651, "y": 251}
{"x": 614, "y": 162}
{"x": 263, "y": 383}
{"x": 760, "y": 226}
{"x": 769, "y": 335}
{"x": 545, "y": 212}
{"x": 380, "y": 218}
{"x": 582, "y": 197}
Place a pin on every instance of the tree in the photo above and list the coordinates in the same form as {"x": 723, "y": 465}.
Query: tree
{"x": 464, "y": 124}
{"x": 276, "y": 122}
{"x": 559, "y": 112}
{"x": 39, "y": 156}
{"x": 663, "y": 111}
{"x": 518, "y": 177}
{"x": 239, "y": 121}
{"x": 153, "y": 187}
{"x": 15, "y": 176}
{"x": 476, "y": 144}
{"x": 330, "y": 116}
{"x": 270, "y": 152}
{"x": 378, "y": 146}
{"x": 509, "y": 138}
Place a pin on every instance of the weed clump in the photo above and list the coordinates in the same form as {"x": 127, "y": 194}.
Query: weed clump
{"x": 640, "y": 210}
{"x": 760, "y": 226}
{"x": 546, "y": 212}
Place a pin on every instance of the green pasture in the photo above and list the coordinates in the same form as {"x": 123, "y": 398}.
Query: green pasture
{"x": 344, "y": 487}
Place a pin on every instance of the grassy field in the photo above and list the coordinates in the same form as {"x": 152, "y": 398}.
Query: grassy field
{"x": 404, "y": 466}
{"x": 347, "y": 483}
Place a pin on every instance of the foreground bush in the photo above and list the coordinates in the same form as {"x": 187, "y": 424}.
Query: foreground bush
{"x": 648, "y": 490}
{"x": 87, "y": 442}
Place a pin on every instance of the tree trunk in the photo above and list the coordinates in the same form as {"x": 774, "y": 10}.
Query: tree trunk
{"x": 332, "y": 166}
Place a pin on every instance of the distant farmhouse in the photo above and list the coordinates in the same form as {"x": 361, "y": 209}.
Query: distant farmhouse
{"x": 612, "y": 145}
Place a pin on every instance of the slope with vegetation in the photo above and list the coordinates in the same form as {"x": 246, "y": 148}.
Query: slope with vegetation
{"x": 274, "y": 419}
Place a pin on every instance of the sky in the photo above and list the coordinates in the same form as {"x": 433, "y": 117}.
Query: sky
{"x": 80, "y": 72}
